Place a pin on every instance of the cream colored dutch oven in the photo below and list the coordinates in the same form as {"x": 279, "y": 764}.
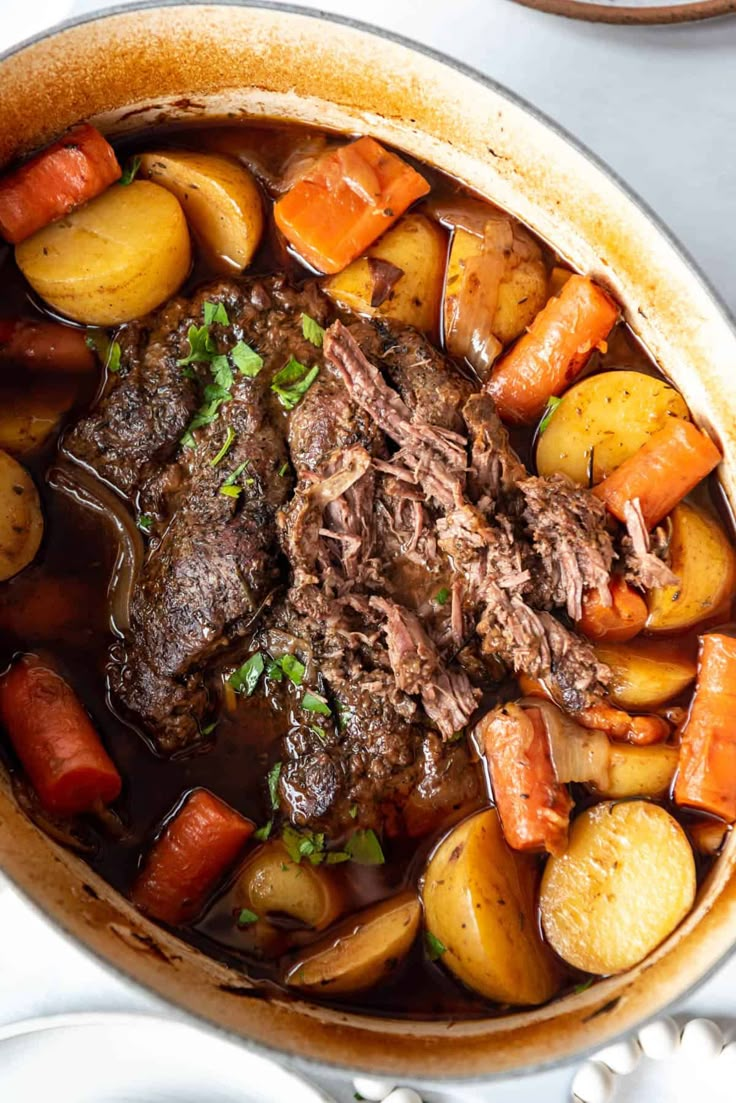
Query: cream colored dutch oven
{"x": 185, "y": 62}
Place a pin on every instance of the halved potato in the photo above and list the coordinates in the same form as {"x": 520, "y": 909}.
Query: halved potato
{"x": 480, "y": 903}
{"x": 113, "y": 259}
{"x": 418, "y": 247}
{"x": 21, "y": 520}
{"x": 610, "y": 416}
{"x": 646, "y": 673}
{"x": 708, "y": 836}
{"x": 270, "y": 883}
{"x": 625, "y": 881}
{"x": 362, "y": 951}
{"x": 220, "y": 199}
{"x": 29, "y": 416}
{"x": 639, "y": 771}
{"x": 704, "y": 561}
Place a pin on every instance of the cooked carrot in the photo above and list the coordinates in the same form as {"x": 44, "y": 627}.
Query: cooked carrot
{"x": 546, "y": 359}
{"x": 344, "y": 202}
{"x": 44, "y": 346}
{"x": 641, "y": 730}
{"x": 194, "y": 852}
{"x": 76, "y": 168}
{"x": 661, "y": 473}
{"x": 620, "y": 620}
{"x": 55, "y": 740}
{"x": 706, "y": 777}
{"x": 534, "y": 807}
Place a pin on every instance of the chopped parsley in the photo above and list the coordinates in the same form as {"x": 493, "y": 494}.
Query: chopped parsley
{"x": 274, "y": 775}
{"x": 209, "y": 728}
{"x": 442, "y": 596}
{"x": 583, "y": 987}
{"x": 319, "y": 732}
{"x": 222, "y": 373}
{"x": 283, "y": 470}
{"x": 353, "y": 811}
{"x": 201, "y": 346}
{"x": 227, "y": 445}
{"x": 334, "y": 857}
{"x": 313, "y": 702}
{"x": 214, "y": 396}
{"x": 263, "y": 832}
{"x": 107, "y": 351}
{"x": 274, "y": 671}
{"x": 246, "y": 917}
{"x": 435, "y": 948}
{"x": 246, "y": 359}
{"x": 313, "y": 331}
{"x": 130, "y": 171}
{"x": 215, "y": 312}
{"x": 144, "y": 522}
{"x": 245, "y": 678}
{"x": 292, "y": 668}
{"x": 549, "y": 410}
{"x": 228, "y": 487}
{"x": 310, "y": 845}
{"x": 292, "y": 382}
{"x": 365, "y": 849}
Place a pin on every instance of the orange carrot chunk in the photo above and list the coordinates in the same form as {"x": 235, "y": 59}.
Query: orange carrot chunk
{"x": 44, "y": 346}
{"x": 706, "y": 778}
{"x": 76, "y": 168}
{"x": 661, "y": 473}
{"x": 620, "y": 620}
{"x": 344, "y": 202}
{"x": 546, "y": 359}
{"x": 190, "y": 857}
{"x": 640, "y": 730}
{"x": 54, "y": 738}
{"x": 534, "y": 807}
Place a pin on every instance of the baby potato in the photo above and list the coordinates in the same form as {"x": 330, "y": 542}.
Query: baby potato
{"x": 21, "y": 520}
{"x": 646, "y": 673}
{"x": 113, "y": 259}
{"x": 625, "y": 881}
{"x": 639, "y": 771}
{"x": 480, "y": 903}
{"x": 271, "y": 883}
{"x": 704, "y": 562}
{"x": 609, "y": 416}
{"x": 418, "y": 247}
{"x": 220, "y": 199}
{"x": 362, "y": 951}
{"x": 28, "y": 417}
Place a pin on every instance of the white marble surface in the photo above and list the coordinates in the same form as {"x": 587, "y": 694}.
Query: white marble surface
{"x": 659, "y": 105}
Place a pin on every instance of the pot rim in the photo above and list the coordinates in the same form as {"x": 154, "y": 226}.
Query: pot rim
{"x": 729, "y": 314}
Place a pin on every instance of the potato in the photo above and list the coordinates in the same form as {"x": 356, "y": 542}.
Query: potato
{"x": 220, "y": 199}
{"x": 708, "y": 836}
{"x": 521, "y": 294}
{"x": 639, "y": 771}
{"x": 480, "y": 903}
{"x": 704, "y": 562}
{"x": 609, "y": 415}
{"x": 271, "y": 883}
{"x": 21, "y": 520}
{"x": 646, "y": 673}
{"x": 625, "y": 881}
{"x": 362, "y": 951}
{"x": 113, "y": 259}
{"x": 28, "y": 417}
{"x": 418, "y": 247}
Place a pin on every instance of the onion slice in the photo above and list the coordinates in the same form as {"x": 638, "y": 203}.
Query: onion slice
{"x": 578, "y": 754}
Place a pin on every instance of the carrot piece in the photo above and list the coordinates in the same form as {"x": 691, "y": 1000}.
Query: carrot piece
{"x": 546, "y": 359}
{"x": 76, "y": 168}
{"x": 706, "y": 778}
{"x": 534, "y": 807}
{"x": 661, "y": 473}
{"x": 619, "y": 621}
{"x": 44, "y": 346}
{"x": 195, "y": 850}
{"x": 55, "y": 740}
{"x": 640, "y": 730}
{"x": 344, "y": 202}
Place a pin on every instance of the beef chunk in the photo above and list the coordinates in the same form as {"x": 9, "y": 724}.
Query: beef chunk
{"x": 644, "y": 565}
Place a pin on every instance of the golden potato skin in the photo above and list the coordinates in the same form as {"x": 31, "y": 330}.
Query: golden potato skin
{"x": 625, "y": 882}
{"x": 113, "y": 259}
{"x": 360, "y": 952}
{"x": 220, "y": 199}
{"x": 418, "y": 246}
{"x": 21, "y": 520}
{"x": 646, "y": 673}
{"x": 645, "y": 771}
{"x": 612, "y": 415}
{"x": 480, "y": 902}
{"x": 28, "y": 417}
{"x": 705, "y": 564}
{"x": 270, "y": 882}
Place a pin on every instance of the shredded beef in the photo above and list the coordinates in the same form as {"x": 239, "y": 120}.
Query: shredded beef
{"x": 643, "y": 567}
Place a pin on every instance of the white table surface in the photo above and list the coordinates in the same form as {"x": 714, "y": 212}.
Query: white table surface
{"x": 659, "y": 106}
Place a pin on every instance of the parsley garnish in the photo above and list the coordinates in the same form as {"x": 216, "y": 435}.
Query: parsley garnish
{"x": 228, "y": 487}
{"x": 263, "y": 832}
{"x": 365, "y": 849}
{"x": 292, "y": 382}
{"x": 107, "y": 351}
{"x": 442, "y": 596}
{"x": 130, "y": 171}
{"x": 201, "y": 346}
{"x": 222, "y": 373}
{"x": 246, "y": 917}
{"x": 209, "y": 728}
{"x": 319, "y": 732}
{"x": 273, "y": 784}
{"x": 304, "y": 845}
{"x": 583, "y": 987}
{"x": 353, "y": 811}
{"x": 283, "y": 469}
{"x": 246, "y": 359}
{"x": 292, "y": 668}
{"x": 229, "y": 438}
{"x": 313, "y": 331}
{"x": 334, "y": 857}
{"x": 214, "y": 396}
{"x": 245, "y": 678}
{"x": 274, "y": 671}
{"x": 215, "y": 312}
{"x": 549, "y": 409}
{"x": 435, "y": 948}
{"x": 144, "y": 522}
{"x": 312, "y": 702}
